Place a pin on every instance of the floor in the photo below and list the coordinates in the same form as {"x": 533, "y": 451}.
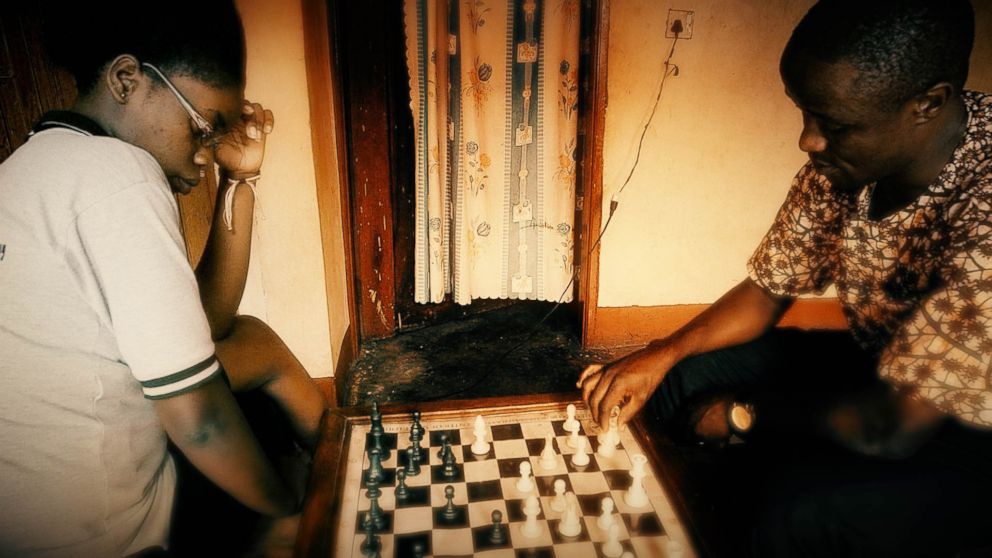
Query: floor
{"x": 509, "y": 351}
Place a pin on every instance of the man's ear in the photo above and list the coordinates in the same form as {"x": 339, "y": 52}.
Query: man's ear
{"x": 929, "y": 104}
{"x": 123, "y": 76}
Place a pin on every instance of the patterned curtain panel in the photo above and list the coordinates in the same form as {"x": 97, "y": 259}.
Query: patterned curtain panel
{"x": 494, "y": 95}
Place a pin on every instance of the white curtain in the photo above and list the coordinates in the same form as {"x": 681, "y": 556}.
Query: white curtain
{"x": 494, "y": 95}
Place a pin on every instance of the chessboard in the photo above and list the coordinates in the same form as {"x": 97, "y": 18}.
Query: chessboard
{"x": 431, "y": 519}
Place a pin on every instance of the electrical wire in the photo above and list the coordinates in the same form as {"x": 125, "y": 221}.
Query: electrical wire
{"x": 670, "y": 69}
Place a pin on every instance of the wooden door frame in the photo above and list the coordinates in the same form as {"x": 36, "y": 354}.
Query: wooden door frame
{"x": 329, "y": 144}
{"x": 327, "y": 108}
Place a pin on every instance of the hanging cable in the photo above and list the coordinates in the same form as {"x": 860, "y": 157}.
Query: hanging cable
{"x": 670, "y": 70}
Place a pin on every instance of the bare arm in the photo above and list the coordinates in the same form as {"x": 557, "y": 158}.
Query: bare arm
{"x": 206, "y": 424}
{"x": 744, "y": 313}
{"x": 223, "y": 269}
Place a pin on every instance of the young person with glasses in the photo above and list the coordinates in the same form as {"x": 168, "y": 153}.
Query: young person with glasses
{"x": 110, "y": 342}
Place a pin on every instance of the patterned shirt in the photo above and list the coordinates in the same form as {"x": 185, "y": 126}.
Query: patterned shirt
{"x": 916, "y": 285}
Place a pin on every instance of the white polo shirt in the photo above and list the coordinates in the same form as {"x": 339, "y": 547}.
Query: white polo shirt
{"x": 99, "y": 312}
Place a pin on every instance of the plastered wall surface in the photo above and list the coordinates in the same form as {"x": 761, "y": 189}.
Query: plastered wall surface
{"x": 286, "y": 276}
{"x": 720, "y": 153}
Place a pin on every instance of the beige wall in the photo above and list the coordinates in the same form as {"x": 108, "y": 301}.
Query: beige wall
{"x": 286, "y": 278}
{"x": 722, "y": 149}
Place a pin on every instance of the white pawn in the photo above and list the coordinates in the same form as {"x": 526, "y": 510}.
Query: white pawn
{"x": 636, "y": 497}
{"x": 606, "y": 448}
{"x": 558, "y": 502}
{"x": 524, "y": 484}
{"x": 480, "y": 446}
{"x": 606, "y": 518}
{"x": 612, "y": 547}
{"x": 570, "y": 525}
{"x": 580, "y": 458}
{"x": 570, "y": 425}
{"x": 532, "y": 509}
{"x": 548, "y": 461}
{"x": 573, "y": 438}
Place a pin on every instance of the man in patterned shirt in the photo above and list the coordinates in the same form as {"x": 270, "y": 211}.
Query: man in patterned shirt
{"x": 894, "y": 208}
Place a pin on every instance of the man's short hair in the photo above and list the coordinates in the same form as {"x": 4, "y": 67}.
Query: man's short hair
{"x": 900, "y": 47}
{"x": 200, "y": 39}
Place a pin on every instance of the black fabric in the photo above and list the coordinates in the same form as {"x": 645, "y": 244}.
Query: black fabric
{"x": 206, "y": 521}
{"x": 70, "y": 120}
{"x": 789, "y": 492}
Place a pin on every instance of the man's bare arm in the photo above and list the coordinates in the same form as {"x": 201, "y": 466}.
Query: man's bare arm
{"x": 744, "y": 313}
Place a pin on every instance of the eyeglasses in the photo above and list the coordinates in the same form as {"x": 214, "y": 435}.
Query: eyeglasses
{"x": 206, "y": 129}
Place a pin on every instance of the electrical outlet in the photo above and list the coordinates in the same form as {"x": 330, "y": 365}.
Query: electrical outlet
{"x": 681, "y": 21}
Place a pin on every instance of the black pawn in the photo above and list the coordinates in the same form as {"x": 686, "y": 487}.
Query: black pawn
{"x": 497, "y": 535}
{"x": 371, "y": 545}
{"x": 375, "y": 472}
{"x": 401, "y": 491}
{"x": 418, "y": 550}
{"x": 412, "y": 466}
{"x": 450, "y": 512}
{"x": 450, "y": 465}
{"x": 445, "y": 444}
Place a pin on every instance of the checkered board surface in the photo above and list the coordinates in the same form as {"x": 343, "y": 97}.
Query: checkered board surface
{"x": 486, "y": 483}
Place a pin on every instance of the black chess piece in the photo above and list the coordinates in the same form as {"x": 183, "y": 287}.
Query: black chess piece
{"x": 376, "y": 436}
{"x": 445, "y": 444}
{"x": 375, "y": 472}
{"x": 371, "y": 545}
{"x": 418, "y": 550}
{"x": 450, "y": 512}
{"x": 416, "y": 435}
{"x": 450, "y": 464}
{"x": 375, "y": 511}
{"x": 412, "y": 465}
{"x": 401, "y": 491}
{"x": 497, "y": 535}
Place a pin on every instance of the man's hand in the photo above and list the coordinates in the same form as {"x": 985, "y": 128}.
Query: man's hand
{"x": 626, "y": 383}
{"x": 240, "y": 151}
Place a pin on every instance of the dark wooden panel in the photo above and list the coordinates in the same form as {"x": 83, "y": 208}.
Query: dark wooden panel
{"x": 593, "y": 122}
{"x": 364, "y": 55}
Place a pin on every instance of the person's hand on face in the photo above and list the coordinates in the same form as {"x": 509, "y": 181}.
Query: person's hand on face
{"x": 240, "y": 151}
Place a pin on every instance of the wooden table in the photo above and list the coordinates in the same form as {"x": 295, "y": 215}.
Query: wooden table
{"x": 323, "y": 504}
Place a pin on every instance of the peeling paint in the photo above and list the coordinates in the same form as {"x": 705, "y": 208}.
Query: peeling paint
{"x": 374, "y": 297}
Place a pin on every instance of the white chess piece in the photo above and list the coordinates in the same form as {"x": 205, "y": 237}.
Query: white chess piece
{"x": 627, "y": 554}
{"x": 609, "y": 440}
{"x": 548, "y": 455}
{"x": 570, "y": 425}
{"x": 612, "y": 547}
{"x": 570, "y": 525}
{"x": 573, "y": 438}
{"x": 558, "y": 502}
{"x": 606, "y": 518}
{"x": 636, "y": 496}
{"x": 532, "y": 509}
{"x": 524, "y": 484}
{"x": 480, "y": 446}
{"x": 606, "y": 447}
{"x": 580, "y": 458}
